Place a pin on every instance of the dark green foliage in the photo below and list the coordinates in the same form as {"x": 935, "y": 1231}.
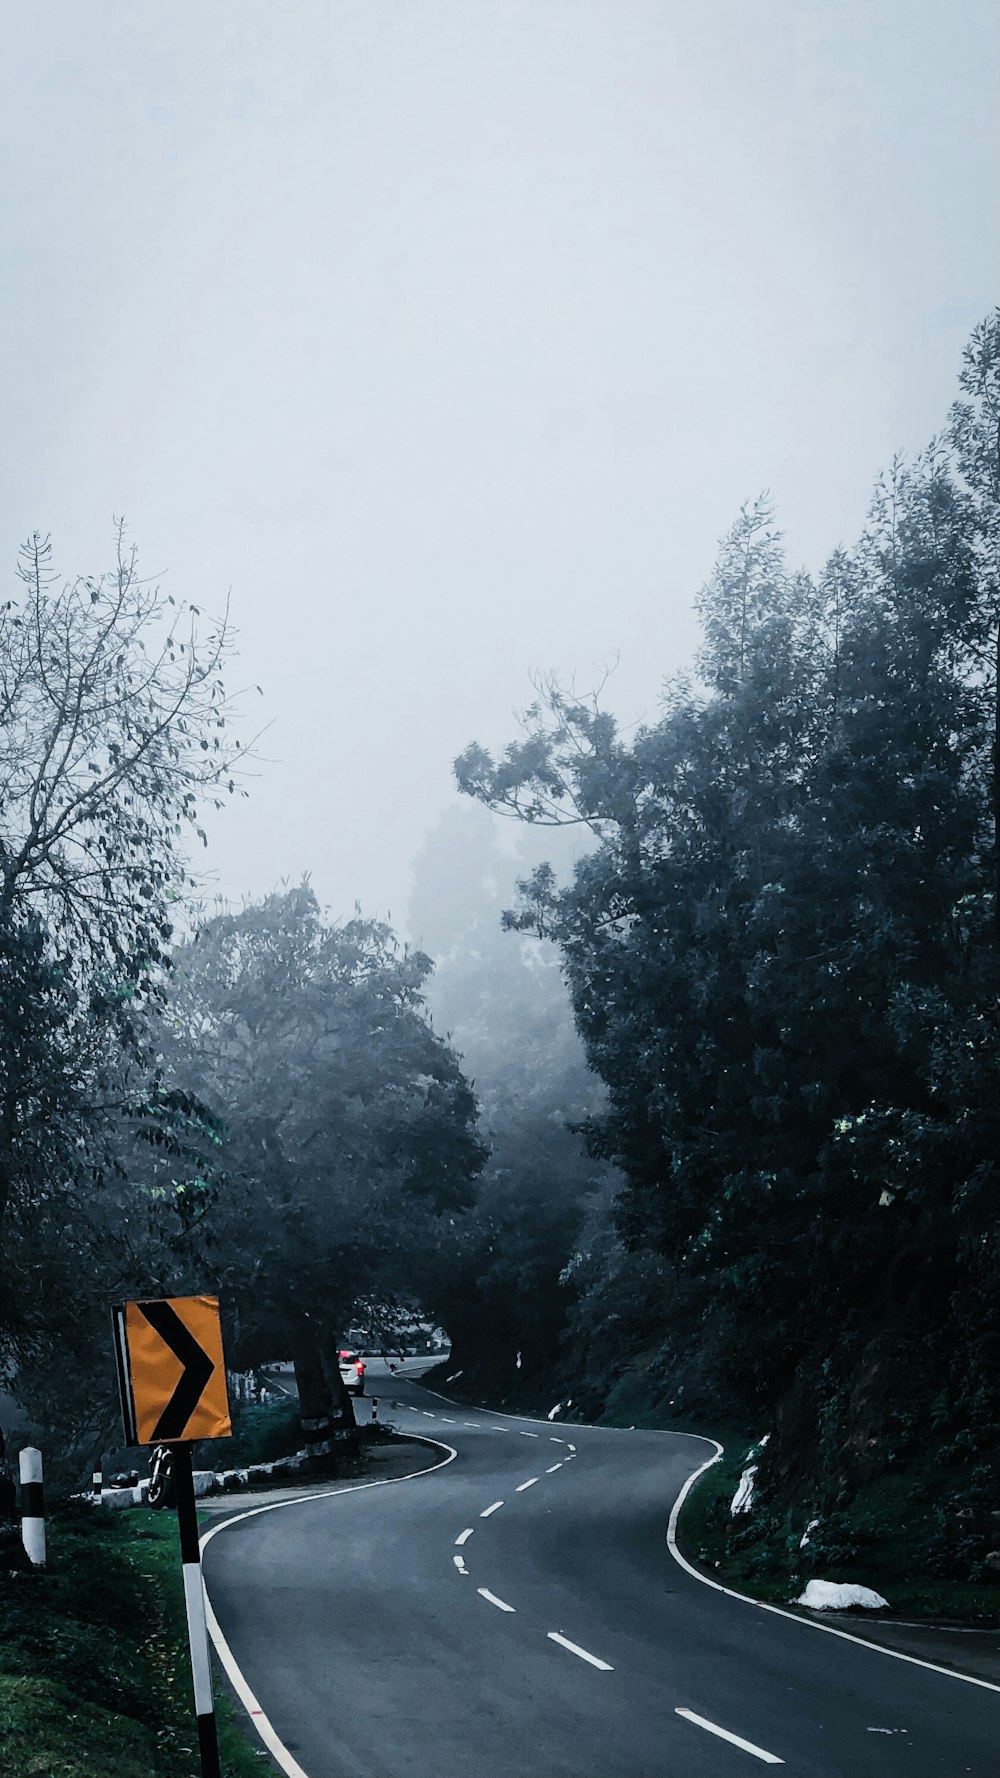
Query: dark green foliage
{"x": 783, "y": 961}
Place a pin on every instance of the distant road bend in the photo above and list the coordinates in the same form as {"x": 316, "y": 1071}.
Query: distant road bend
{"x": 517, "y": 1613}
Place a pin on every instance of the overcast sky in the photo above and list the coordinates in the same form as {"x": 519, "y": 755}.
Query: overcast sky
{"x": 450, "y": 334}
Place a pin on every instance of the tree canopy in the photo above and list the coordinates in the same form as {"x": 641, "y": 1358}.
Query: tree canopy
{"x": 782, "y": 952}
{"x": 351, "y": 1141}
{"x": 113, "y": 734}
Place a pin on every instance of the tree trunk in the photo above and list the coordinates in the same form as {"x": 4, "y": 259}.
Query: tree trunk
{"x": 345, "y": 1419}
{"x": 326, "y": 1416}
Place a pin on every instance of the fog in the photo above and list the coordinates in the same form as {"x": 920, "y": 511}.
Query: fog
{"x": 446, "y": 338}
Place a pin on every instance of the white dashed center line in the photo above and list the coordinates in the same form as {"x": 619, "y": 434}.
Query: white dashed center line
{"x": 472, "y": 1423}
{"x": 495, "y": 1508}
{"x": 574, "y": 1649}
{"x": 770, "y": 1759}
{"x": 571, "y": 1447}
{"x": 491, "y": 1598}
{"x": 556, "y": 1441}
{"x": 446, "y": 1422}
{"x": 553, "y": 1467}
{"x": 464, "y": 1537}
{"x": 460, "y": 1565}
{"x": 528, "y": 1484}
{"x": 528, "y": 1434}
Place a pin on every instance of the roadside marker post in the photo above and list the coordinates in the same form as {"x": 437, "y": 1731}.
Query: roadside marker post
{"x": 374, "y": 1409}
{"x": 32, "y": 1505}
{"x": 166, "y": 1405}
{"x": 98, "y": 1486}
{"x": 194, "y": 1606}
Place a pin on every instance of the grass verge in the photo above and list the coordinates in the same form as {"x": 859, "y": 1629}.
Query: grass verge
{"x": 94, "y": 1672}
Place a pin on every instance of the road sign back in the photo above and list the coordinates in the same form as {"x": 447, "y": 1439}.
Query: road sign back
{"x": 171, "y": 1372}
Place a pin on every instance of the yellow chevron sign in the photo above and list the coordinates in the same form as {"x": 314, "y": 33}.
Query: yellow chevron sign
{"x": 171, "y": 1371}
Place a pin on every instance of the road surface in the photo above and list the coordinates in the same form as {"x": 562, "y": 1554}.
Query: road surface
{"x": 518, "y": 1614}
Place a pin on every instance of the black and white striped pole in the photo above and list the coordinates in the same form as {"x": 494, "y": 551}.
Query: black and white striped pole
{"x": 32, "y": 1505}
{"x": 374, "y": 1409}
{"x": 97, "y": 1488}
{"x": 170, "y": 1411}
{"x": 194, "y": 1606}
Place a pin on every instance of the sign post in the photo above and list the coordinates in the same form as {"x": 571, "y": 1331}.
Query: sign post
{"x": 172, "y": 1381}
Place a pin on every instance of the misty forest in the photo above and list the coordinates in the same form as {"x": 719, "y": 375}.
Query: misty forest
{"x": 683, "y": 1107}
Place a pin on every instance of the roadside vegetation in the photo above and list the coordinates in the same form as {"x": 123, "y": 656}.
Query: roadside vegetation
{"x": 887, "y": 1537}
{"x": 253, "y": 1104}
{"x": 95, "y": 1675}
{"x": 782, "y": 951}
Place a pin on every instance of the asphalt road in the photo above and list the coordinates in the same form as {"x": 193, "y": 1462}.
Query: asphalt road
{"x": 422, "y": 1629}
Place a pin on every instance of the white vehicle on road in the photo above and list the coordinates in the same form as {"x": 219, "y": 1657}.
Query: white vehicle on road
{"x": 352, "y": 1371}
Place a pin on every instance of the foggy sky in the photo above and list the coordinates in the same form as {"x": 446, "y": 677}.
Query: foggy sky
{"x": 450, "y": 334}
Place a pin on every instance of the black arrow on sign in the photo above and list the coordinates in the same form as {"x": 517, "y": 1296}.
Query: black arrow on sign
{"x": 198, "y": 1367}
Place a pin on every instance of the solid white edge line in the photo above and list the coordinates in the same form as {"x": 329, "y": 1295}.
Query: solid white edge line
{"x": 770, "y": 1759}
{"x": 464, "y": 1537}
{"x": 575, "y": 1649}
{"x": 276, "y": 1748}
{"x": 528, "y": 1484}
{"x": 495, "y": 1508}
{"x": 501, "y": 1604}
{"x": 878, "y": 1648}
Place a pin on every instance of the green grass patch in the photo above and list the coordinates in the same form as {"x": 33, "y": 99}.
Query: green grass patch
{"x": 94, "y": 1669}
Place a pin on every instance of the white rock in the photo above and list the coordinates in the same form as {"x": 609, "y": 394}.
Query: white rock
{"x": 743, "y": 1498}
{"x": 830, "y": 1595}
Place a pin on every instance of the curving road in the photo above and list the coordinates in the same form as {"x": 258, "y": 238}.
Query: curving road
{"x": 518, "y": 1614}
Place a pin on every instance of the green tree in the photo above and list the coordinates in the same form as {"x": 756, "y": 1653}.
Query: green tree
{"x": 113, "y": 734}
{"x": 781, "y": 955}
{"x": 351, "y": 1131}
